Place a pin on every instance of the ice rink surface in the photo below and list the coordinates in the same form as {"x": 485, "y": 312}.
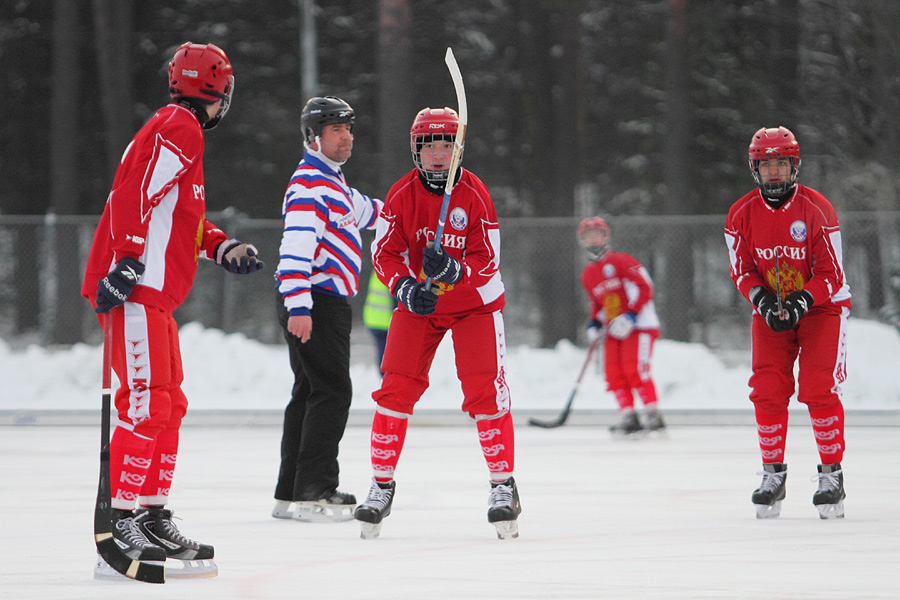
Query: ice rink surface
{"x": 655, "y": 518}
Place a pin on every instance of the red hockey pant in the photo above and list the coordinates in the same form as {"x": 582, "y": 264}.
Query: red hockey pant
{"x": 627, "y": 364}
{"x": 820, "y": 343}
{"x": 479, "y": 343}
{"x": 146, "y": 358}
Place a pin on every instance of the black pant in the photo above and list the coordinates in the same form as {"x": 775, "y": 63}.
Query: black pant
{"x": 316, "y": 416}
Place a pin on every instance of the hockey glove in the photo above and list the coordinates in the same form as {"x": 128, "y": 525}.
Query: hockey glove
{"x": 114, "y": 289}
{"x": 415, "y": 297}
{"x": 594, "y": 331}
{"x": 767, "y": 306}
{"x": 796, "y": 305}
{"x": 440, "y": 266}
{"x": 622, "y": 326}
{"x": 237, "y": 257}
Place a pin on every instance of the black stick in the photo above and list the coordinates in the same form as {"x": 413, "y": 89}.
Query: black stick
{"x": 564, "y": 415}
{"x": 103, "y": 537}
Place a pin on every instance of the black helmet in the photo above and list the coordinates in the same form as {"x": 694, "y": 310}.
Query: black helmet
{"x": 320, "y": 111}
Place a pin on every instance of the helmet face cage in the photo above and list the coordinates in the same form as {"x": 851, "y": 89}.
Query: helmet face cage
{"x": 433, "y": 125}
{"x": 593, "y": 236}
{"x": 202, "y": 72}
{"x": 321, "y": 111}
{"x": 773, "y": 143}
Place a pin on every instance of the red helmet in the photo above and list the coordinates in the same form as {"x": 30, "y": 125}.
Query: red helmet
{"x": 429, "y": 125}
{"x": 202, "y": 72}
{"x": 774, "y": 143}
{"x": 593, "y": 235}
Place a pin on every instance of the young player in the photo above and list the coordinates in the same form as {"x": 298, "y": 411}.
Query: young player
{"x": 784, "y": 245}
{"x": 318, "y": 271}
{"x": 621, "y": 296}
{"x": 467, "y": 300}
{"x": 141, "y": 267}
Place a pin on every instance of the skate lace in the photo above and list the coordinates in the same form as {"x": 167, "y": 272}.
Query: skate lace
{"x": 501, "y": 495}
{"x": 378, "y": 497}
{"x": 132, "y": 533}
{"x": 173, "y": 534}
{"x": 771, "y": 481}
{"x": 827, "y": 481}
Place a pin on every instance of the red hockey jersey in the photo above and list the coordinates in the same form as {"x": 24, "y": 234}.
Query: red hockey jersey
{"x": 805, "y": 235}
{"x": 156, "y": 212}
{"x": 471, "y": 235}
{"x": 616, "y": 284}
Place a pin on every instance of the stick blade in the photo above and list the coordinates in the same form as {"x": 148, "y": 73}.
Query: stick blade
{"x": 547, "y": 424}
{"x": 456, "y": 76}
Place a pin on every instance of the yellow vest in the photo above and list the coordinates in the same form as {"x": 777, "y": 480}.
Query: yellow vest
{"x": 379, "y": 305}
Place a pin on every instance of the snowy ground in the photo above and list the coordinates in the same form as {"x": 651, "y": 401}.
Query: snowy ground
{"x": 661, "y": 519}
{"x": 658, "y": 519}
{"x": 233, "y": 373}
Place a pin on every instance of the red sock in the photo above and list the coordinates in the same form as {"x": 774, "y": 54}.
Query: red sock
{"x": 828, "y": 427}
{"x": 772, "y": 432}
{"x": 498, "y": 443}
{"x": 129, "y": 458}
{"x": 388, "y": 435}
{"x": 624, "y": 398}
{"x": 155, "y": 490}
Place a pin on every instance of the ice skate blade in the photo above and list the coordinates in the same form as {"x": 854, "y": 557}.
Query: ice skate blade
{"x": 831, "y": 511}
{"x": 369, "y": 531}
{"x": 768, "y": 511}
{"x": 283, "y": 509}
{"x": 323, "y": 512}
{"x": 190, "y": 569}
{"x": 506, "y": 530}
{"x": 103, "y": 571}
{"x": 621, "y": 435}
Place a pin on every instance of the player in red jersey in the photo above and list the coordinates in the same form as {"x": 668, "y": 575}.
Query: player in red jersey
{"x": 621, "y": 295}
{"x": 467, "y": 300}
{"x": 784, "y": 246}
{"x": 141, "y": 267}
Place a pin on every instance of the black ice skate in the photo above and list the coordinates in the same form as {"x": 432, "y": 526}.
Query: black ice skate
{"x": 768, "y": 496}
{"x": 191, "y": 559}
{"x": 376, "y": 507}
{"x": 504, "y": 508}
{"x": 829, "y": 498}
{"x": 335, "y": 506}
{"x": 629, "y": 426}
{"x": 655, "y": 423}
{"x": 130, "y": 537}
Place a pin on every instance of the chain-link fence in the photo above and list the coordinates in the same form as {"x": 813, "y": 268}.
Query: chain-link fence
{"x": 40, "y": 278}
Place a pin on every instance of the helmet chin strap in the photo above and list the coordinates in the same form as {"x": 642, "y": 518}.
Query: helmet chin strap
{"x": 321, "y": 155}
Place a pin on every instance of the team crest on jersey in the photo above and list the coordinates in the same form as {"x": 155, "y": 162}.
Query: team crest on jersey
{"x": 798, "y": 231}
{"x": 609, "y": 271}
{"x": 458, "y": 219}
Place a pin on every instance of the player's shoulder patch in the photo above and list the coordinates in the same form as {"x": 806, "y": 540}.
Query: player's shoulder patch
{"x": 458, "y": 218}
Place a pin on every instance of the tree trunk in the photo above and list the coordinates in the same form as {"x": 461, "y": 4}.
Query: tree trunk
{"x": 67, "y": 306}
{"x": 395, "y": 110}
{"x": 676, "y": 286}
{"x": 112, "y": 28}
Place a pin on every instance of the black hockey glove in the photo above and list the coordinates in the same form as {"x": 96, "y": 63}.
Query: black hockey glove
{"x": 114, "y": 289}
{"x": 796, "y": 305}
{"x": 440, "y": 266}
{"x": 415, "y": 297}
{"x": 767, "y": 306}
{"x": 237, "y": 257}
